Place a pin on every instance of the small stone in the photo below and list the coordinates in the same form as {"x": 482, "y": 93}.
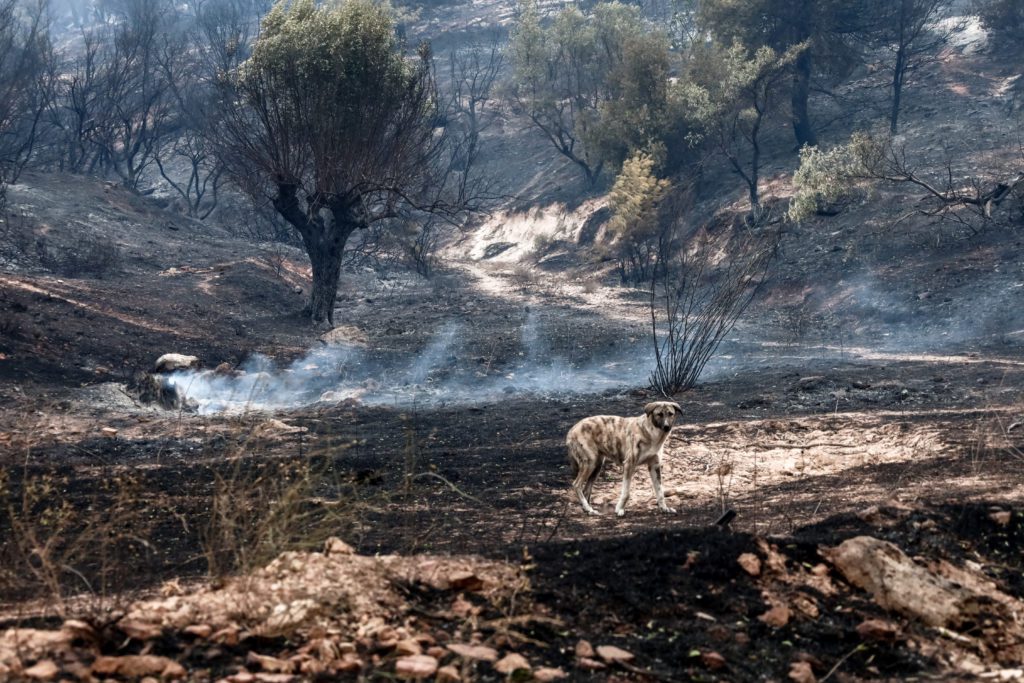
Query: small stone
{"x": 173, "y": 671}
{"x": 226, "y": 636}
{"x": 751, "y": 563}
{"x": 437, "y": 651}
{"x": 584, "y": 649}
{"x": 877, "y": 629}
{"x": 610, "y": 654}
{"x": 336, "y": 546}
{"x": 482, "y": 652}
{"x": 465, "y": 580}
{"x": 108, "y": 432}
{"x": 448, "y": 674}
{"x": 588, "y": 664}
{"x": 199, "y": 630}
{"x": 776, "y": 617}
{"x": 170, "y": 362}
{"x": 712, "y": 660}
{"x": 42, "y": 671}
{"x": 271, "y": 664}
{"x": 137, "y": 666}
{"x": 139, "y": 630}
{"x": 547, "y": 675}
{"x": 266, "y": 677}
{"x": 800, "y": 672}
{"x": 511, "y": 663}
{"x": 416, "y": 667}
{"x": 408, "y": 647}
{"x": 1002, "y": 517}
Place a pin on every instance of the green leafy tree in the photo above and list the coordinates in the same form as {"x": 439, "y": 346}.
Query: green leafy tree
{"x": 594, "y": 84}
{"x": 832, "y": 32}
{"x": 732, "y": 92}
{"x": 331, "y": 122}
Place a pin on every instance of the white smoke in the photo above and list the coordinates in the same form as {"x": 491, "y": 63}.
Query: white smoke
{"x": 442, "y": 373}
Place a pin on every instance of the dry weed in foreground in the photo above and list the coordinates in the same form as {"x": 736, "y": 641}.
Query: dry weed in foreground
{"x": 261, "y": 506}
{"x": 78, "y": 542}
{"x": 73, "y": 556}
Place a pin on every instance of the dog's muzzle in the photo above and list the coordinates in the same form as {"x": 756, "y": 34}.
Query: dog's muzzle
{"x": 666, "y": 428}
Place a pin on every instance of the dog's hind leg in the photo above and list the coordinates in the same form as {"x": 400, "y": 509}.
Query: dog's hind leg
{"x": 584, "y": 465}
{"x": 589, "y": 488}
{"x": 654, "y": 467}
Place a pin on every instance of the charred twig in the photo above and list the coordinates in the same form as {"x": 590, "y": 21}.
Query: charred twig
{"x": 842, "y": 659}
{"x": 647, "y": 672}
{"x": 452, "y": 486}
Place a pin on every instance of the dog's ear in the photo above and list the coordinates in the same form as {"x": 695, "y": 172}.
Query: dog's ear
{"x": 678, "y": 409}
{"x": 650, "y": 408}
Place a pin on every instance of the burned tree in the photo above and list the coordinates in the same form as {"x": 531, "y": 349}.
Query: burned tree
{"x": 338, "y": 129}
{"x": 698, "y": 293}
{"x": 25, "y": 86}
{"x": 911, "y": 32}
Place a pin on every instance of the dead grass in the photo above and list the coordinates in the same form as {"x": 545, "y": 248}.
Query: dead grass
{"x": 82, "y": 541}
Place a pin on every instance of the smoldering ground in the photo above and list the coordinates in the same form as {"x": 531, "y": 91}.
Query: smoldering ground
{"x": 451, "y": 368}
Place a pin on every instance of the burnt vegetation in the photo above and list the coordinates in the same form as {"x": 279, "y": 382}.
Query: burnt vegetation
{"x": 388, "y": 254}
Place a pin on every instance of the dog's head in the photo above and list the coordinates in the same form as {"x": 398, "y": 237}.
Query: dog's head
{"x": 662, "y": 414}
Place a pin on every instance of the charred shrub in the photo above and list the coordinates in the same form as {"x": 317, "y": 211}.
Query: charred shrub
{"x": 89, "y": 258}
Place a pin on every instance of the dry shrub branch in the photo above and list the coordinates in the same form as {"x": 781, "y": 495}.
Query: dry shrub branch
{"x": 698, "y": 292}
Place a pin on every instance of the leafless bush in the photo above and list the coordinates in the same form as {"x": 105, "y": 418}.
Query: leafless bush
{"x": 522, "y": 276}
{"x": 420, "y": 245}
{"x": 91, "y": 257}
{"x": 698, "y": 293}
{"x": 276, "y": 259}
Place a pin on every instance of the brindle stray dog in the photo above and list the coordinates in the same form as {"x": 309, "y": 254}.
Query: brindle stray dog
{"x": 628, "y": 441}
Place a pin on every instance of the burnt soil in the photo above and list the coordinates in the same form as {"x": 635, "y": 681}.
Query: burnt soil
{"x": 873, "y": 389}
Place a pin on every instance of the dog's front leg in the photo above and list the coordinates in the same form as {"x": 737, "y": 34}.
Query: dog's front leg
{"x": 655, "y": 469}
{"x": 627, "y": 478}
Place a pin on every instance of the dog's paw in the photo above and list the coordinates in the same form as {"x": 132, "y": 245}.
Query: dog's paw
{"x": 669, "y": 510}
{"x": 593, "y": 513}
{"x": 620, "y": 513}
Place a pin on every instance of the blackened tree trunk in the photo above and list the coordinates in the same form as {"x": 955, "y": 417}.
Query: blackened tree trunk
{"x": 802, "y": 32}
{"x": 899, "y": 73}
{"x": 324, "y": 240}
{"x": 802, "y": 127}
{"x": 899, "y": 69}
{"x": 326, "y": 264}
